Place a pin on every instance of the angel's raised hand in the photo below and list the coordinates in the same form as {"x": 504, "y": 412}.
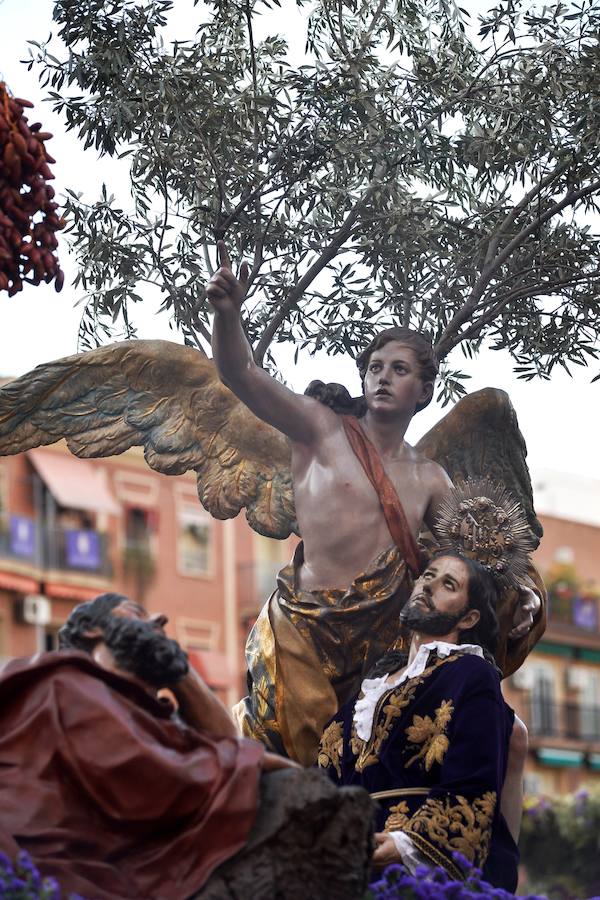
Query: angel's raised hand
{"x": 224, "y": 291}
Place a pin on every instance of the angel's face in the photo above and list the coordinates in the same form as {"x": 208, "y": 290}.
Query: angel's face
{"x": 393, "y": 381}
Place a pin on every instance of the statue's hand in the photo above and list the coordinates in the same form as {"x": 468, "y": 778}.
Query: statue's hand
{"x": 525, "y": 611}
{"x": 386, "y": 851}
{"x": 224, "y": 291}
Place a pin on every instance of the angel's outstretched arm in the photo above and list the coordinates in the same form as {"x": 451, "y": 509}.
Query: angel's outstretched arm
{"x": 295, "y": 415}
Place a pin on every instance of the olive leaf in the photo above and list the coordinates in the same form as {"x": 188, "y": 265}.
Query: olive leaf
{"x": 416, "y": 167}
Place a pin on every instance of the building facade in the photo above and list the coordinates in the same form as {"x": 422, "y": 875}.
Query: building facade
{"x": 71, "y": 529}
{"x": 557, "y": 690}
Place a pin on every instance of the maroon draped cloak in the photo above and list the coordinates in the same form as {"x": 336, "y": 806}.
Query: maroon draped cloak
{"x": 108, "y": 793}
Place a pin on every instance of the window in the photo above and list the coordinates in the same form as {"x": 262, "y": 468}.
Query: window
{"x": 587, "y": 682}
{"x": 194, "y": 541}
{"x": 2, "y": 639}
{"x": 532, "y": 783}
{"x": 4, "y": 520}
{"x": 564, "y": 555}
{"x": 51, "y": 637}
{"x": 138, "y": 526}
{"x": 269, "y": 561}
{"x": 538, "y": 783}
{"x": 138, "y": 558}
{"x": 543, "y": 701}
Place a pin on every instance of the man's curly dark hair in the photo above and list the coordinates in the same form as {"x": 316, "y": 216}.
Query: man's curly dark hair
{"x": 86, "y": 617}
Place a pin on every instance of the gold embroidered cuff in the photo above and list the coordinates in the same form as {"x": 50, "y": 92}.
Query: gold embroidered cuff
{"x": 435, "y": 856}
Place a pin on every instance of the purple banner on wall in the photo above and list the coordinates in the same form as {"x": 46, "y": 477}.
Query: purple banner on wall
{"x": 82, "y": 549}
{"x": 585, "y": 613}
{"x": 22, "y": 537}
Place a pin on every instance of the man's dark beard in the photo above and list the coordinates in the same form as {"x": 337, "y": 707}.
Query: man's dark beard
{"x": 436, "y": 624}
{"x": 139, "y": 648}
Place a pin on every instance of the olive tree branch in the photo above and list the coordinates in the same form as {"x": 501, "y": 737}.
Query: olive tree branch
{"x": 497, "y": 235}
{"x": 255, "y": 137}
{"x": 342, "y": 234}
{"x": 329, "y": 253}
{"x": 448, "y": 338}
{"x": 522, "y": 293}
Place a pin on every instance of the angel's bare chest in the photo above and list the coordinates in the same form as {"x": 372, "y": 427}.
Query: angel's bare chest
{"x": 332, "y": 484}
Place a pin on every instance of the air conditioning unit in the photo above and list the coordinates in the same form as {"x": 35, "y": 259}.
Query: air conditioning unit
{"x": 33, "y": 610}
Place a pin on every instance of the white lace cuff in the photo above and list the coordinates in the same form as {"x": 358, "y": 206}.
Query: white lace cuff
{"x": 411, "y": 857}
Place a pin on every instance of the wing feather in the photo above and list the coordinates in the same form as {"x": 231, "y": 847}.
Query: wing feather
{"x": 168, "y": 399}
{"x": 480, "y": 437}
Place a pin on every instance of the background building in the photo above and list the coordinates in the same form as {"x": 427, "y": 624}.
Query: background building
{"x": 557, "y": 691}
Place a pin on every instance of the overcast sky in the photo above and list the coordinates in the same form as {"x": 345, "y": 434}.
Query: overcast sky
{"x": 559, "y": 418}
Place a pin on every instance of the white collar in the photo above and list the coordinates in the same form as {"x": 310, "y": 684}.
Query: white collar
{"x": 373, "y": 688}
{"x": 442, "y": 648}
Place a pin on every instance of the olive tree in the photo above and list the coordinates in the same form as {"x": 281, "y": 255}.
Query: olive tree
{"x": 422, "y": 165}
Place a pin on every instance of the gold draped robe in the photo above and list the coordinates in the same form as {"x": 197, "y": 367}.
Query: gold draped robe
{"x": 308, "y": 651}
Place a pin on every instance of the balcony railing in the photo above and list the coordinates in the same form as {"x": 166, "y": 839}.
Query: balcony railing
{"x": 70, "y": 550}
{"x": 77, "y": 550}
{"x": 578, "y": 613}
{"x": 564, "y": 720}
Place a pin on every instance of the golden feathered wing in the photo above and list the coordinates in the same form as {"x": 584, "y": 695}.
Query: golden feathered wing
{"x": 167, "y": 398}
{"x": 480, "y": 438}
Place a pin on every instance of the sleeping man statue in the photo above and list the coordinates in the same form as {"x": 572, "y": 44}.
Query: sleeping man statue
{"x": 119, "y": 796}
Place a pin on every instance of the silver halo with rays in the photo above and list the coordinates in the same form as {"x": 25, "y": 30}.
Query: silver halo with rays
{"x": 483, "y": 521}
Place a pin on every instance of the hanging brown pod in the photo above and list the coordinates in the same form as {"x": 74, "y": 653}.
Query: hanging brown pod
{"x": 28, "y": 217}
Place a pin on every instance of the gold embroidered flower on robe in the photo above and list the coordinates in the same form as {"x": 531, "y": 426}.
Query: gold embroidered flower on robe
{"x": 398, "y": 817}
{"x": 389, "y": 707}
{"x": 431, "y": 734}
{"x": 454, "y": 824}
{"x": 330, "y": 747}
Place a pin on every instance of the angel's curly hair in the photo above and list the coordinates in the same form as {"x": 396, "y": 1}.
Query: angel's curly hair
{"x": 337, "y": 397}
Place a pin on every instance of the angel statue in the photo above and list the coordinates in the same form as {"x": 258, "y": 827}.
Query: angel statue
{"x": 334, "y": 470}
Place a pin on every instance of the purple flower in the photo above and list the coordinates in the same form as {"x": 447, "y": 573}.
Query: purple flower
{"x": 466, "y": 865}
{"x": 422, "y": 871}
{"x": 27, "y": 870}
{"x": 397, "y": 883}
{"x": 5, "y": 864}
{"x": 50, "y": 888}
{"x": 22, "y": 881}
